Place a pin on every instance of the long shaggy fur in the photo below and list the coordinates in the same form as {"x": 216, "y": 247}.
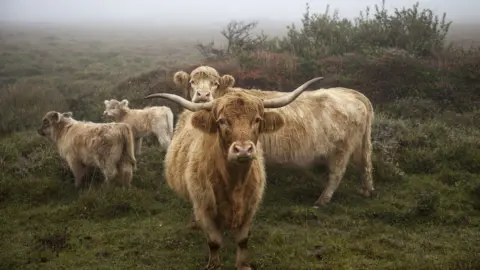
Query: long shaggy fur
{"x": 107, "y": 146}
{"x": 196, "y": 167}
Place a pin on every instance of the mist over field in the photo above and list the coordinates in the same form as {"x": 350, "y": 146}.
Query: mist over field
{"x": 208, "y": 11}
{"x": 421, "y": 75}
{"x": 205, "y": 19}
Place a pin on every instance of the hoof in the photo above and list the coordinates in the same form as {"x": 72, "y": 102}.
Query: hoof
{"x": 193, "y": 226}
{"x": 321, "y": 202}
{"x": 212, "y": 267}
{"x": 365, "y": 192}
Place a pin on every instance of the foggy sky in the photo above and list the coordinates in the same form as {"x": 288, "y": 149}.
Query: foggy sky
{"x": 208, "y": 11}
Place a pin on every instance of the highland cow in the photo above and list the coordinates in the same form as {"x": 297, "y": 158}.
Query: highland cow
{"x": 107, "y": 146}
{"x": 201, "y": 83}
{"x": 326, "y": 125}
{"x": 156, "y": 120}
{"x": 215, "y": 162}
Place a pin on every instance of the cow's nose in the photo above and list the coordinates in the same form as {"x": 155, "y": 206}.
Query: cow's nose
{"x": 39, "y": 131}
{"x": 203, "y": 93}
{"x": 242, "y": 151}
{"x": 202, "y": 96}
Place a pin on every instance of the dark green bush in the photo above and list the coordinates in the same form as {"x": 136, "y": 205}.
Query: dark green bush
{"x": 418, "y": 31}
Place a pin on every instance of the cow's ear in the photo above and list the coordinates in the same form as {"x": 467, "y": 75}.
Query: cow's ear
{"x": 181, "y": 79}
{"x": 226, "y": 81}
{"x": 124, "y": 103}
{"x": 272, "y": 121}
{"x": 68, "y": 114}
{"x": 56, "y": 117}
{"x": 106, "y": 102}
{"x": 204, "y": 121}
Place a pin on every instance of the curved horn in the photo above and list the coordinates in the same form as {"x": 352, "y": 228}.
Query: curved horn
{"x": 187, "y": 104}
{"x": 290, "y": 97}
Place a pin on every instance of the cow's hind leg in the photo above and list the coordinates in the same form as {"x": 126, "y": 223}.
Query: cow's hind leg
{"x": 337, "y": 164}
{"x": 109, "y": 172}
{"x": 138, "y": 145}
{"x": 163, "y": 139}
{"x": 126, "y": 174}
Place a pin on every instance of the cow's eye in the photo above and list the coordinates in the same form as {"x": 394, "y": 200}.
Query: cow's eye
{"x": 257, "y": 120}
{"x": 222, "y": 122}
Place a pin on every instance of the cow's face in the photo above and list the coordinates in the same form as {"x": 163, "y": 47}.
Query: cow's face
{"x": 114, "y": 108}
{"x": 50, "y": 123}
{"x": 238, "y": 119}
{"x": 202, "y": 86}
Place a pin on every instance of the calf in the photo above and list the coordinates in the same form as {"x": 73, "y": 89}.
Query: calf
{"x": 107, "y": 146}
{"x": 157, "y": 120}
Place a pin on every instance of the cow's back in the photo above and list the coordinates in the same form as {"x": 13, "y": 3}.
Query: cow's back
{"x": 92, "y": 143}
{"x": 315, "y": 124}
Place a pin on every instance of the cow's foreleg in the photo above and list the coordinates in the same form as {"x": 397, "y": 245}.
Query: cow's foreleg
{"x": 214, "y": 239}
{"x": 242, "y": 234}
{"x": 78, "y": 170}
{"x": 193, "y": 222}
{"x": 337, "y": 165}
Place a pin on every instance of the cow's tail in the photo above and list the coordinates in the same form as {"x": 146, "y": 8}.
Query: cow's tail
{"x": 367, "y": 142}
{"x": 128, "y": 149}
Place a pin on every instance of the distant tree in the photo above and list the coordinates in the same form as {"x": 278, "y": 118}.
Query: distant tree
{"x": 239, "y": 39}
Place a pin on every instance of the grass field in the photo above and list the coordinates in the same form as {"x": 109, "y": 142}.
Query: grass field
{"x": 425, "y": 213}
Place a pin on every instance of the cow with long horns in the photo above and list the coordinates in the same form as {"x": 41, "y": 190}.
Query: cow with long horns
{"x": 215, "y": 162}
{"x": 331, "y": 126}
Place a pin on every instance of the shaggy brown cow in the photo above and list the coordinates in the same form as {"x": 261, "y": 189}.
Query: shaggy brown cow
{"x": 157, "y": 120}
{"x": 108, "y": 146}
{"x": 215, "y": 162}
{"x": 324, "y": 125}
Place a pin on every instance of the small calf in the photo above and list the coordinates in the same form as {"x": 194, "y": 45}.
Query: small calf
{"x": 108, "y": 146}
{"x": 156, "y": 120}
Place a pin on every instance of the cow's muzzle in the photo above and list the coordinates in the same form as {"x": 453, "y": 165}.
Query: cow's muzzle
{"x": 40, "y": 132}
{"x": 241, "y": 151}
{"x": 202, "y": 96}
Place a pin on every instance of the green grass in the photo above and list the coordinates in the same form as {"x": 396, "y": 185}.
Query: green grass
{"x": 413, "y": 220}
{"x": 425, "y": 212}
